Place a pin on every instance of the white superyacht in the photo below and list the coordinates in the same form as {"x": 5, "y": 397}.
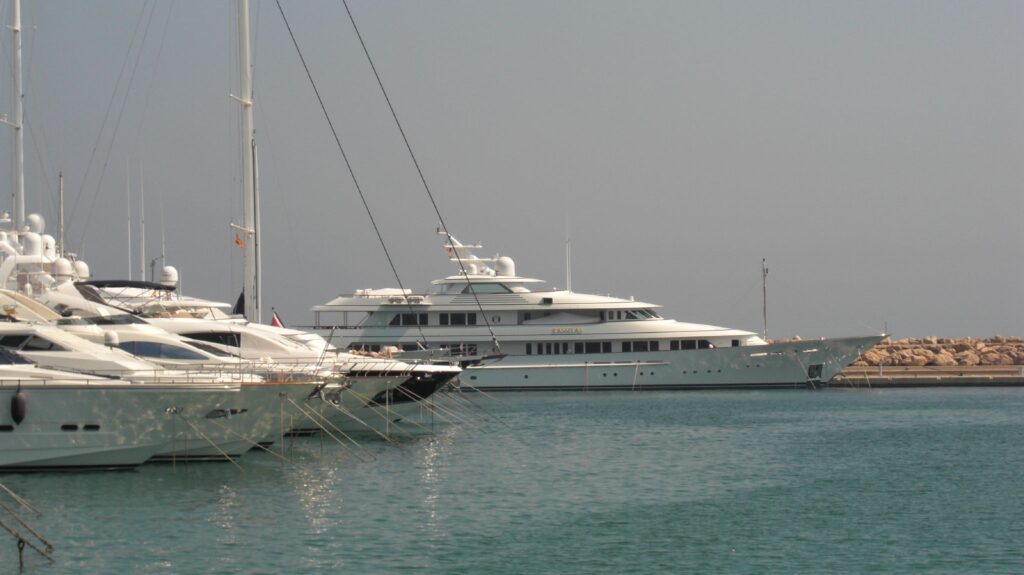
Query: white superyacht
{"x": 511, "y": 335}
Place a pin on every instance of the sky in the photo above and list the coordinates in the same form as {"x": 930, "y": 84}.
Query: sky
{"x": 872, "y": 152}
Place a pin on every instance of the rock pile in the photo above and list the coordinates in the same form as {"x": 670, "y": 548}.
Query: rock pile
{"x": 940, "y": 351}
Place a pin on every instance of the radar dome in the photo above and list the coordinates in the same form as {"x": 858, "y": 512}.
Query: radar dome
{"x": 62, "y": 268}
{"x": 169, "y": 276}
{"x": 31, "y": 244}
{"x": 111, "y": 339}
{"x": 82, "y": 270}
{"x": 505, "y": 266}
{"x": 36, "y": 223}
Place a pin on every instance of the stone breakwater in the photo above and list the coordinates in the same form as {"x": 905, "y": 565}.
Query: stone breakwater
{"x": 944, "y": 352}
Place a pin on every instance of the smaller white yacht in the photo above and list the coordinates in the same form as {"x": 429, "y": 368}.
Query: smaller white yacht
{"x": 63, "y": 420}
{"x": 511, "y": 334}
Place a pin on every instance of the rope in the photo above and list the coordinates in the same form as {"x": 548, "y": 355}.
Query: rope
{"x": 22, "y": 542}
{"x": 419, "y": 171}
{"x": 340, "y": 409}
{"x": 250, "y": 441}
{"x": 49, "y": 546}
{"x": 19, "y": 499}
{"x": 307, "y": 413}
{"x": 348, "y": 164}
{"x": 214, "y": 445}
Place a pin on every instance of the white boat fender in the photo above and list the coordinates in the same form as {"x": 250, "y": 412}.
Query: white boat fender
{"x": 19, "y": 406}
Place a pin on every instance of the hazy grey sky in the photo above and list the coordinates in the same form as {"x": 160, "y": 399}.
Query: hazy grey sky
{"x": 872, "y": 151}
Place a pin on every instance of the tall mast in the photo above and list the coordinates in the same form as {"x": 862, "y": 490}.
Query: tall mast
{"x": 250, "y": 225}
{"x": 19, "y": 119}
{"x": 128, "y": 197}
{"x": 142, "y": 225}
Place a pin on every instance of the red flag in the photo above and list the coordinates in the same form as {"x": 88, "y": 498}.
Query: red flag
{"x": 276, "y": 321}
{"x": 239, "y": 242}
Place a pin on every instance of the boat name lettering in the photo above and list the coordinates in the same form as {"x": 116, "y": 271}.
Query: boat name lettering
{"x": 567, "y": 330}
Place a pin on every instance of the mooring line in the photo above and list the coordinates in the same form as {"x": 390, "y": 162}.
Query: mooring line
{"x": 332, "y": 436}
{"x": 255, "y": 444}
{"x": 21, "y": 501}
{"x": 49, "y": 547}
{"x": 385, "y": 417}
{"x": 481, "y": 408}
{"x": 22, "y": 542}
{"x": 212, "y": 444}
{"x": 348, "y": 413}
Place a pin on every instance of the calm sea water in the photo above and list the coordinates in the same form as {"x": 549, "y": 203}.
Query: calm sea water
{"x": 885, "y": 481}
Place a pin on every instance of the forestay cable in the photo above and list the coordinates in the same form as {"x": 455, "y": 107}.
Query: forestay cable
{"x": 423, "y": 179}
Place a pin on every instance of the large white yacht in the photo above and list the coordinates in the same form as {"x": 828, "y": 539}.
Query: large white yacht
{"x": 511, "y": 335}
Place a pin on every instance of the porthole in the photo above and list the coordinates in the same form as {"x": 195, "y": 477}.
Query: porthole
{"x": 90, "y": 427}
{"x": 69, "y": 427}
{"x": 5, "y": 428}
{"x": 526, "y": 377}
{"x": 473, "y": 377}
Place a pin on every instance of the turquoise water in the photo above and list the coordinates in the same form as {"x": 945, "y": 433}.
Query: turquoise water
{"x": 885, "y": 481}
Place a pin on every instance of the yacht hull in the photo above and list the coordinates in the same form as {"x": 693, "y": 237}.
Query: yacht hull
{"x": 777, "y": 365}
{"x": 96, "y": 426}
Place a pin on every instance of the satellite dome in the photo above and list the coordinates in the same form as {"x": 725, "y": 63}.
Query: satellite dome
{"x": 36, "y": 224}
{"x": 62, "y": 268}
{"x": 505, "y": 266}
{"x": 169, "y": 276}
{"x": 82, "y": 270}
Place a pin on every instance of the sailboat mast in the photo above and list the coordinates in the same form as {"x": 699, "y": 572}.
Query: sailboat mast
{"x": 251, "y": 281}
{"x": 19, "y": 119}
{"x": 142, "y": 225}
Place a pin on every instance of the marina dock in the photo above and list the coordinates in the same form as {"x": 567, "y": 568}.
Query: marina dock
{"x": 930, "y": 376}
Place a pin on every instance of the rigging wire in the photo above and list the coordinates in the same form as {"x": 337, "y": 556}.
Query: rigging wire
{"x": 348, "y": 164}
{"x": 419, "y": 170}
{"x": 117, "y": 123}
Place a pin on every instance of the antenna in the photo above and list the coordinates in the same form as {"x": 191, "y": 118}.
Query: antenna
{"x": 19, "y": 122}
{"x": 60, "y": 213}
{"x": 568, "y": 249}
{"x": 764, "y": 296}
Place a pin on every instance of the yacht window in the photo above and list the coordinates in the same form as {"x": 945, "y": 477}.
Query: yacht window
{"x": 673, "y": 345}
{"x": 627, "y": 346}
{"x": 210, "y": 349}
{"x": 526, "y": 316}
{"x": 601, "y": 314}
{"x": 630, "y": 314}
{"x": 688, "y": 344}
{"x": 639, "y": 346}
{"x": 618, "y": 314}
{"x": 655, "y": 345}
{"x": 529, "y": 349}
{"x": 160, "y": 350}
{"x": 704, "y": 344}
{"x": 577, "y": 347}
{"x": 229, "y": 339}
{"x": 40, "y": 344}
{"x": 592, "y": 347}
{"x": 443, "y": 319}
{"x": 118, "y": 319}
{"x": 458, "y": 318}
{"x": 486, "y": 288}
{"x": 72, "y": 321}
{"x": 540, "y": 349}
{"x": 735, "y": 343}
{"x": 13, "y": 341}
{"x": 606, "y": 347}
{"x": 8, "y": 357}
{"x": 472, "y": 318}
{"x": 547, "y": 348}
{"x": 565, "y": 347}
